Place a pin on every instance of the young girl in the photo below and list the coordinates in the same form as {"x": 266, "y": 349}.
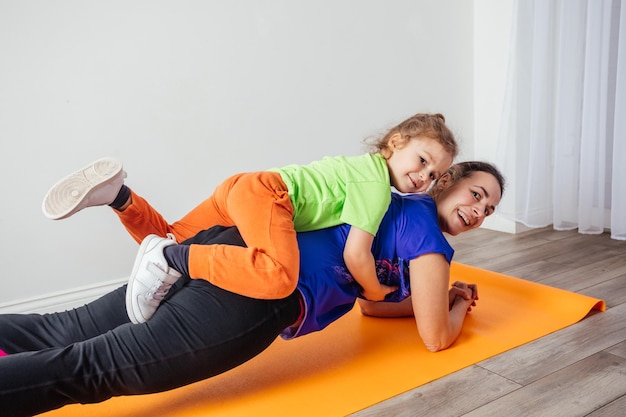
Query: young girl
{"x": 268, "y": 208}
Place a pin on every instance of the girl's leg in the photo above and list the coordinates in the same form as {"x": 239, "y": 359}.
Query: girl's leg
{"x": 199, "y": 332}
{"x": 141, "y": 219}
{"x": 101, "y": 183}
{"x": 32, "y": 332}
{"x": 259, "y": 205}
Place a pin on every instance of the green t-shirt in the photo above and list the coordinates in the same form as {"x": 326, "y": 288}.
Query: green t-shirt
{"x": 345, "y": 189}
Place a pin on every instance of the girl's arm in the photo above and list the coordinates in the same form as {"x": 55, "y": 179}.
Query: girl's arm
{"x": 358, "y": 257}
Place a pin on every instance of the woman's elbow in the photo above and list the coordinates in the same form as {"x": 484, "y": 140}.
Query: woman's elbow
{"x": 436, "y": 346}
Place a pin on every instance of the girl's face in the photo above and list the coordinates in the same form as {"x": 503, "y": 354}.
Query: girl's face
{"x": 416, "y": 164}
{"x": 464, "y": 205}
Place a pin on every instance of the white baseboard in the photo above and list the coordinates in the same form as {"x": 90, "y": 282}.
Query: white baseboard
{"x": 62, "y": 300}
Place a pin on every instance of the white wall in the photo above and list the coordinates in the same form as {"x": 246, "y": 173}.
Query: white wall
{"x": 492, "y": 28}
{"x": 188, "y": 92}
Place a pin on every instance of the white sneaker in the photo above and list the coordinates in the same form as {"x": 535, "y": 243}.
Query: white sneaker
{"x": 97, "y": 184}
{"x": 150, "y": 280}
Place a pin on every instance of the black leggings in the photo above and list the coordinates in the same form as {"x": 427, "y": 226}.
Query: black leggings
{"x": 92, "y": 353}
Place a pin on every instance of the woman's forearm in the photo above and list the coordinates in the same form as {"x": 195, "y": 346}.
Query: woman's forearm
{"x": 386, "y": 309}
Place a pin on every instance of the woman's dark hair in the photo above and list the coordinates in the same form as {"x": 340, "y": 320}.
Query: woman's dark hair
{"x": 462, "y": 170}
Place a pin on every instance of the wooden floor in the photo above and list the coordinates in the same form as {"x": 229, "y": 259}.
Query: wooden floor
{"x": 578, "y": 371}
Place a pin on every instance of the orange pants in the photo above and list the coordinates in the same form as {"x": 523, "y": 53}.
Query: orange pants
{"x": 258, "y": 204}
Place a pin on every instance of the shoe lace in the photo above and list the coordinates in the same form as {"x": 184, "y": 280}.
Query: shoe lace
{"x": 159, "y": 290}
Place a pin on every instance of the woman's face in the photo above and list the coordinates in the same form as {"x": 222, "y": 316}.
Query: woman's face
{"x": 464, "y": 205}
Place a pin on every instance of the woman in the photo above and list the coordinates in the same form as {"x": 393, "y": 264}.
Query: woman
{"x": 93, "y": 353}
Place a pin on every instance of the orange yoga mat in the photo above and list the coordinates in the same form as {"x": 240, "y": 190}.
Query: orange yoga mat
{"x": 359, "y": 361}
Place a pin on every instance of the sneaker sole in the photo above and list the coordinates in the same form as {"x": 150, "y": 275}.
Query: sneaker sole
{"x": 137, "y": 318}
{"x": 65, "y": 197}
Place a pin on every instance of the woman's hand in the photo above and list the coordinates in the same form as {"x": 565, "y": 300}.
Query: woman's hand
{"x": 386, "y": 309}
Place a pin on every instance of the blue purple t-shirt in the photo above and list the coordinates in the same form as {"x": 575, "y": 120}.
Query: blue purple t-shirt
{"x": 408, "y": 230}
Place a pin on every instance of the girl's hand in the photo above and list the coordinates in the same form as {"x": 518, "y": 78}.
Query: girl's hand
{"x": 378, "y": 294}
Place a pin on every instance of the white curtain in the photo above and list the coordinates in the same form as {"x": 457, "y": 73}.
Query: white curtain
{"x": 562, "y": 141}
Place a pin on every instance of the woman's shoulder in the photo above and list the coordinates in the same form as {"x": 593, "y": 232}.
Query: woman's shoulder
{"x": 414, "y": 205}
{"x": 416, "y": 227}
{"x": 415, "y": 198}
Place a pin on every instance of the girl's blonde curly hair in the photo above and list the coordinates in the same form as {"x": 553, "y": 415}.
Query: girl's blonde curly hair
{"x": 432, "y": 126}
